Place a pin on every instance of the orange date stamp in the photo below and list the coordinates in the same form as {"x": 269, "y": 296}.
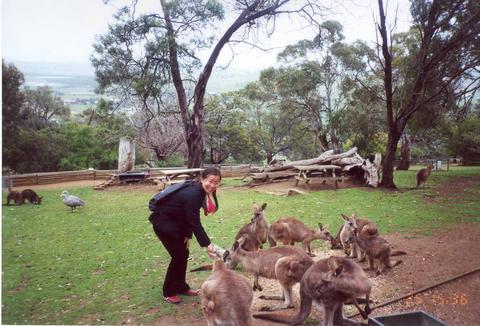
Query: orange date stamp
{"x": 438, "y": 299}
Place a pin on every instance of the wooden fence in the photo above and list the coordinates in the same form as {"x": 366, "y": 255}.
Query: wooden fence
{"x": 21, "y": 180}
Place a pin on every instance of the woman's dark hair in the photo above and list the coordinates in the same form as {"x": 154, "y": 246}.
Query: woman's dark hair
{"x": 211, "y": 171}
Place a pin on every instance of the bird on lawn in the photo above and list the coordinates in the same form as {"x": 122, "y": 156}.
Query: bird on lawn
{"x": 71, "y": 201}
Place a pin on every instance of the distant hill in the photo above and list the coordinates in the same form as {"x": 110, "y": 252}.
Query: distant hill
{"x": 54, "y": 69}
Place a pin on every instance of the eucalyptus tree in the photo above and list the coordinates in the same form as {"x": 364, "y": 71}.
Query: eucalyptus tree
{"x": 12, "y": 115}
{"x": 318, "y": 73}
{"x": 226, "y": 134}
{"x": 44, "y": 107}
{"x": 441, "y": 68}
{"x": 272, "y": 125}
{"x": 153, "y": 56}
{"x": 465, "y": 137}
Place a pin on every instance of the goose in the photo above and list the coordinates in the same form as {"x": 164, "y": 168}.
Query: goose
{"x": 71, "y": 201}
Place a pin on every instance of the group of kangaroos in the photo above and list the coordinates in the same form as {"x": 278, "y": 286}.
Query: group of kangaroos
{"x": 329, "y": 283}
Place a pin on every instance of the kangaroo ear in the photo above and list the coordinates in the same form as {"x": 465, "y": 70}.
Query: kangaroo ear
{"x": 241, "y": 241}
{"x": 331, "y": 263}
{"x": 338, "y": 270}
{"x": 320, "y": 226}
{"x": 264, "y": 206}
{"x": 226, "y": 254}
{"x": 354, "y": 216}
{"x": 345, "y": 217}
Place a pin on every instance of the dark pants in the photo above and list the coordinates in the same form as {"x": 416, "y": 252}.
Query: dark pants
{"x": 177, "y": 269}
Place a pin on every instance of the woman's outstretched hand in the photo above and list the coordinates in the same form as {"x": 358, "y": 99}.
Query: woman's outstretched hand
{"x": 211, "y": 249}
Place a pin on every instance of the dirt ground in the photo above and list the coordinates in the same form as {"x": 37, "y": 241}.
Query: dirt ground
{"x": 430, "y": 260}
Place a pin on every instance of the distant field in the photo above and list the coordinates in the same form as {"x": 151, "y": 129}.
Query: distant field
{"x": 72, "y": 84}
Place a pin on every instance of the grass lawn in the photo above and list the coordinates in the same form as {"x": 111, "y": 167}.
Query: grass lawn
{"x": 104, "y": 262}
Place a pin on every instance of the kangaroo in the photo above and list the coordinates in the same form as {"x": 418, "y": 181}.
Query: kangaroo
{"x": 423, "y": 175}
{"x": 287, "y": 264}
{"x": 31, "y": 196}
{"x": 15, "y": 196}
{"x": 336, "y": 243}
{"x": 289, "y": 230}
{"x": 377, "y": 250}
{"x": 330, "y": 283}
{"x": 226, "y": 297}
{"x": 353, "y": 224}
{"x": 256, "y": 233}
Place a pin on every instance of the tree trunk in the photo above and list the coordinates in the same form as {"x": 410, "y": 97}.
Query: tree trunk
{"x": 195, "y": 147}
{"x": 393, "y": 135}
{"x": 405, "y": 154}
{"x": 322, "y": 138}
{"x": 387, "y": 167}
{"x": 269, "y": 158}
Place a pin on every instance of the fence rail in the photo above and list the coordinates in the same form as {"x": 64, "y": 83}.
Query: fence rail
{"x": 20, "y": 180}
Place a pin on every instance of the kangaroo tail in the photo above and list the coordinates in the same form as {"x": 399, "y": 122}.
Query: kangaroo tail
{"x": 302, "y": 315}
{"x": 274, "y": 317}
{"x": 202, "y": 268}
{"x": 397, "y": 253}
{"x": 393, "y": 263}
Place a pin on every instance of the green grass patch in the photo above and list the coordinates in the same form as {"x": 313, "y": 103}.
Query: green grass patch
{"x": 105, "y": 261}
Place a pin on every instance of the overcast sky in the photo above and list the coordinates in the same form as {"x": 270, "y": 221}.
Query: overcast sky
{"x": 64, "y": 30}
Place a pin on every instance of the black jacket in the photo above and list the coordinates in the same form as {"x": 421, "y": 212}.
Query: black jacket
{"x": 180, "y": 214}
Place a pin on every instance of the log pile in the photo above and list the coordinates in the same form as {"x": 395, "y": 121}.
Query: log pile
{"x": 348, "y": 161}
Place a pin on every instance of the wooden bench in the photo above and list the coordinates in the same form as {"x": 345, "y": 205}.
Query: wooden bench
{"x": 321, "y": 178}
{"x": 163, "y": 183}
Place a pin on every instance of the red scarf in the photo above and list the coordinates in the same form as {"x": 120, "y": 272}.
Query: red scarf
{"x": 211, "y": 208}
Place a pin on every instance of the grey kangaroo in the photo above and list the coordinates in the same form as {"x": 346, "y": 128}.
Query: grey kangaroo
{"x": 226, "y": 297}
{"x": 377, "y": 250}
{"x": 255, "y": 233}
{"x": 31, "y": 196}
{"x": 289, "y": 230}
{"x": 257, "y": 229}
{"x": 287, "y": 264}
{"x": 423, "y": 175}
{"x": 15, "y": 196}
{"x": 361, "y": 226}
{"x": 329, "y": 283}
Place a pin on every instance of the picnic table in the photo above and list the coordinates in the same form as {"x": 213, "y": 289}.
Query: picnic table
{"x": 318, "y": 172}
{"x": 169, "y": 177}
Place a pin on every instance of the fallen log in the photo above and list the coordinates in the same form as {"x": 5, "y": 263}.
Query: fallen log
{"x": 323, "y": 158}
{"x": 372, "y": 170}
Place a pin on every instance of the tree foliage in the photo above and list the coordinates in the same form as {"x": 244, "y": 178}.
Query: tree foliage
{"x": 465, "y": 139}
{"x": 227, "y": 134}
{"x": 12, "y": 114}
{"x": 154, "y": 56}
{"x": 43, "y": 107}
{"x": 316, "y": 83}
